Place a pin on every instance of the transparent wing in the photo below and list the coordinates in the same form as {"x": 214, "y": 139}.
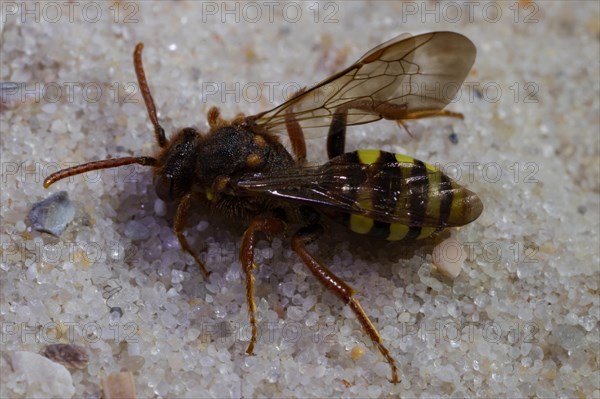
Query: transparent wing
{"x": 390, "y": 194}
{"x": 403, "y": 78}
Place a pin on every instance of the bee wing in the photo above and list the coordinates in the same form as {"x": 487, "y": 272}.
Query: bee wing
{"x": 400, "y": 79}
{"x": 389, "y": 194}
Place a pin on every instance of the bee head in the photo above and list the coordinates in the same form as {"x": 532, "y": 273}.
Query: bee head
{"x": 174, "y": 173}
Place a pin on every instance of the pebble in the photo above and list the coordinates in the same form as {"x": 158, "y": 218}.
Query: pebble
{"x": 53, "y": 214}
{"x": 43, "y": 377}
{"x": 118, "y": 385}
{"x": 569, "y": 337}
{"x": 160, "y": 207}
{"x": 449, "y": 257}
{"x": 136, "y": 230}
{"x": 357, "y": 352}
{"x": 69, "y": 355}
{"x": 58, "y": 127}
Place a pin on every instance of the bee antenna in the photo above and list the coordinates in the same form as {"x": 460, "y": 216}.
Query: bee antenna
{"x": 95, "y": 165}
{"x": 159, "y": 132}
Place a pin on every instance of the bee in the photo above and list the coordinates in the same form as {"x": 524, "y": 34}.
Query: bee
{"x": 241, "y": 169}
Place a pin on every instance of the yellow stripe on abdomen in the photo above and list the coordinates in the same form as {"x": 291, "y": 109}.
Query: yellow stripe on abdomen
{"x": 456, "y": 208}
{"x": 368, "y": 157}
{"x": 361, "y": 224}
{"x": 404, "y": 159}
{"x": 433, "y": 197}
{"x": 397, "y": 232}
{"x": 426, "y": 232}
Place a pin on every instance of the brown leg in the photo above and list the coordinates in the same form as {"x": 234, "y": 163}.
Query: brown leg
{"x": 342, "y": 290}
{"x": 269, "y": 226}
{"x": 296, "y": 139}
{"x": 214, "y": 118}
{"x": 427, "y": 114}
{"x": 295, "y": 133}
{"x": 434, "y": 114}
{"x": 336, "y": 138}
{"x": 180, "y": 217}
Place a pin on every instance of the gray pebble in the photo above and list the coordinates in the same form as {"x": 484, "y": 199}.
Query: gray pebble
{"x": 53, "y": 214}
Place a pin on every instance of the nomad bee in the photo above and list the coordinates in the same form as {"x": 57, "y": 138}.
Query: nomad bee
{"x": 240, "y": 168}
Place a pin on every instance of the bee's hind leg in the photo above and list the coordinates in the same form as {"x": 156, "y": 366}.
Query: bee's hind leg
{"x": 305, "y": 236}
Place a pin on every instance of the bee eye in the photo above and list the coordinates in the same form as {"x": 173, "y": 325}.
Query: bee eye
{"x": 164, "y": 185}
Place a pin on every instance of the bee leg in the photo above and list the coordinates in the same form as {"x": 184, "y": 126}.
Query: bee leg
{"x": 180, "y": 218}
{"x": 269, "y": 226}
{"x": 239, "y": 118}
{"x": 433, "y": 114}
{"x": 296, "y": 138}
{"x": 336, "y": 138}
{"x": 214, "y": 118}
{"x": 305, "y": 236}
{"x": 426, "y": 114}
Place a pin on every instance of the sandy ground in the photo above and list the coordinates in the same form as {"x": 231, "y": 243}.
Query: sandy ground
{"x": 521, "y": 320}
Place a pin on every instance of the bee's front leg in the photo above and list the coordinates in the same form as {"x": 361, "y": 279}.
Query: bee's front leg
{"x": 270, "y": 226}
{"x": 180, "y": 218}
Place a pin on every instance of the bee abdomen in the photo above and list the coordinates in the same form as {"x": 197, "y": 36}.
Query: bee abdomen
{"x": 397, "y": 197}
